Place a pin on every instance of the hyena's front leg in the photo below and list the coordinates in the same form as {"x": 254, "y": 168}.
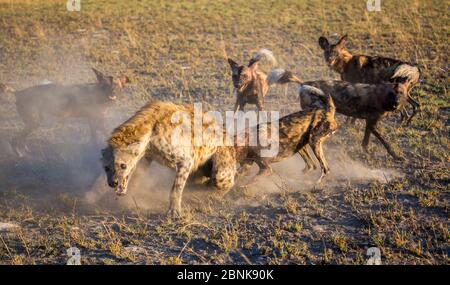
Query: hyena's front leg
{"x": 182, "y": 173}
{"x": 310, "y": 165}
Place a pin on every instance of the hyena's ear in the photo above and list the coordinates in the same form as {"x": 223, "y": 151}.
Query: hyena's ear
{"x": 341, "y": 42}
{"x": 234, "y": 65}
{"x": 323, "y": 43}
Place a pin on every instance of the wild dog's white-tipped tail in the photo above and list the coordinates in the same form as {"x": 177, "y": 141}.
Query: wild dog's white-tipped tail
{"x": 275, "y": 75}
{"x": 281, "y": 76}
{"x": 262, "y": 53}
{"x": 310, "y": 90}
{"x": 308, "y": 97}
{"x": 412, "y": 73}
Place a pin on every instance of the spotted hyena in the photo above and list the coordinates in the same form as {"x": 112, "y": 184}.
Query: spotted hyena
{"x": 251, "y": 85}
{"x": 89, "y": 101}
{"x": 356, "y": 68}
{"x": 151, "y": 134}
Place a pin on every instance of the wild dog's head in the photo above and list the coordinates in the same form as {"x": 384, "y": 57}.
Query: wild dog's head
{"x": 396, "y": 95}
{"x": 241, "y": 74}
{"x": 332, "y": 53}
{"x": 110, "y": 85}
{"x": 119, "y": 164}
{"x": 5, "y": 89}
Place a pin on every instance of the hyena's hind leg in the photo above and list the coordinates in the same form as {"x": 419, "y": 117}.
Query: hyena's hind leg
{"x": 309, "y": 162}
{"x": 223, "y": 169}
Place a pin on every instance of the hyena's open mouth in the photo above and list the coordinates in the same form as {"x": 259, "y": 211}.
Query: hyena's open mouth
{"x": 121, "y": 189}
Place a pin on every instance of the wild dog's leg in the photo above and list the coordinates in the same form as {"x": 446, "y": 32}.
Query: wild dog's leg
{"x": 385, "y": 143}
{"x": 224, "y": 171}
{"x": 365, "y": 142}
{"x": 416, "y": 108}
{"x": 264, "y": 170}
{"x": 183, "y": 169}
{"x": 245, "y": 167}
{"x": 260, "y": 104}
{"x": 96, "y": 126}
{"x": 316, "y": 145}
{"x": 403, "y": 115}
{"x": 310, "y": 165}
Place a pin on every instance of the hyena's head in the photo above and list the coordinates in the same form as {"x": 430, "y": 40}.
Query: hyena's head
{"x": 333, "y": 52}
{"x": 119, "y": 164}
{"x": 240, "y": 74}
{"x": 109, "y": 85}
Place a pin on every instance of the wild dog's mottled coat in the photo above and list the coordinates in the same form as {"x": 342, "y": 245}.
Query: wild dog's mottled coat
{"x": 369, "y": 69}
{"x": 251, "y": 85}
{"x": 371, "y": 102}
{"x": 296, "y": 131}
{"x": 89, "y": 101}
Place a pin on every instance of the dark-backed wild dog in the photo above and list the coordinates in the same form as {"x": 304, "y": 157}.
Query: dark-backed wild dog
{"x": 356, "y": 68}
{"x": 296, "y": 131}
{"x": 89, "y": 101}
{"x": 371, "y": 102}
{"x": 149, "y": 133}
{"x": 251, "y": 84}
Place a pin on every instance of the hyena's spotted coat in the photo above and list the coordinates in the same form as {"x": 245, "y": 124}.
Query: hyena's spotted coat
{"x": 149, "y": 133}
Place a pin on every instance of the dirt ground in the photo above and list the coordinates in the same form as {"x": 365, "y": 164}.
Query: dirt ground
{"x": 56, "y": 197}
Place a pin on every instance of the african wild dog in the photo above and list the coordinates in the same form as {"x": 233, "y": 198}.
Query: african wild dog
{"x": 251, "y": 85}
{"x": 89, "y": 101}
{"x": 296, "y": 131}
{"x": 149, "y": 133}
{"x": 371, "y": 102}
{"x": 370, "y": 69}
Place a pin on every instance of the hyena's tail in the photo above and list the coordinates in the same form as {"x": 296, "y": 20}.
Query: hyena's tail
{"x": 259, "y": 55}
{"x": 411, "y": 73}
{"x": 281, "y": 76}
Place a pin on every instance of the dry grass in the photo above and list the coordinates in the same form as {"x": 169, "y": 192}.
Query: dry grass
{"x": 176, "y": 50}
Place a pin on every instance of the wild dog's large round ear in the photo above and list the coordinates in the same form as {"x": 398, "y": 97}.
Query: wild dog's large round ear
{"x": 98, "y": 74}
{"x": 233, "y": 64}
{"x": 342, "y": 41}
{"x": 323, "y": 43}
